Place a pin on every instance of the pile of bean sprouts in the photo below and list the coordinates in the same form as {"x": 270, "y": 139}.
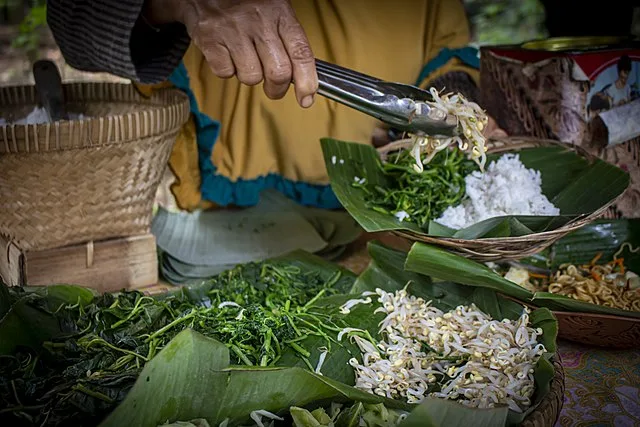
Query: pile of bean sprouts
{"x": 608, "y": 285}
{"x": 462, "y": 354}
{"x": 472, "y": 120}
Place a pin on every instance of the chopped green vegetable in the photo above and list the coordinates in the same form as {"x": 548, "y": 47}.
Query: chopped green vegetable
{"x": 257, "y": 310}
{"x": 418, "y": 197}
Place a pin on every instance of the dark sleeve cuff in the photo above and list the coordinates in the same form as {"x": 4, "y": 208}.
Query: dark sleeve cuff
{"x": 109, "y": 36}
{"x": 156, "y": 52}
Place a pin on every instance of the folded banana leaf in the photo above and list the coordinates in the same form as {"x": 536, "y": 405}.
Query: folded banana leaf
{"x": 604, "y": 237}
{"x": 573, "y": 184}
{"x": 198, "y": 245}
{"x": 191, "y": 378}
{"x": 387, "y": 271}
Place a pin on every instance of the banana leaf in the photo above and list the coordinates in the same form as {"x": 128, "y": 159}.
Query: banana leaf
{"x": 387, "y": 271}
{"x": 603, "y": 236}
{"x": 580, "y": 246}
{"x": 191, "y": 379}
{"x": 573, "y": 184}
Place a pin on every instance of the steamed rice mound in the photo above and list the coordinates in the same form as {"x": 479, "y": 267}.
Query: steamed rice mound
{"x": 506, "y": 188}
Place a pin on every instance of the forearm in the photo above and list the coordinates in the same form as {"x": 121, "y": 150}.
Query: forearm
{"x": 110, "y": 36}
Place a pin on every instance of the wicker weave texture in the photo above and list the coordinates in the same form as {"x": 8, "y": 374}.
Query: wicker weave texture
{"x": 548, "y": 412}
{"x": 505, "y": 248}
{"x": 74, "y": 181}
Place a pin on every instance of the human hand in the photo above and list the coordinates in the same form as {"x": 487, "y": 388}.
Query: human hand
{"x": 255, "y": 40}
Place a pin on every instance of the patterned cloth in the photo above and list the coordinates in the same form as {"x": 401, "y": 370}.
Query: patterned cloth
{"x": 602, "y": 386}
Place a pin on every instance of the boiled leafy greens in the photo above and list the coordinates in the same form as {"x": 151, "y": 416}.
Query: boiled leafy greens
{"x": 129, "y": 359}
{"x": 420, "y": 196}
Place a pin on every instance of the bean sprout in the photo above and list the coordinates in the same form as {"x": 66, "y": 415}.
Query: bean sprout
{"x": 471, "y": 120}
{"x": 462, "y": 354}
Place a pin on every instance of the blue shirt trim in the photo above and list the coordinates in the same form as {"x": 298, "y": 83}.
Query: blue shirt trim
{"x": 469, "y": 55}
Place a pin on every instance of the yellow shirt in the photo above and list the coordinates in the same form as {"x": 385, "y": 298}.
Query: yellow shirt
{"x": 266, "y": 143}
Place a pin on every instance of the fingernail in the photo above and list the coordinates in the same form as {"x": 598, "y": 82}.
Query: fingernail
{"x": 307, "y": 101}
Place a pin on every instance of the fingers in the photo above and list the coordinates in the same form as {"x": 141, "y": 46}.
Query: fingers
{"x": 303, "y": 62}
{"x": 219, "y": 60}
{"x": 255, "y": 40}
{"x": 276, "y": 65}
{"x": 246, "y": 61}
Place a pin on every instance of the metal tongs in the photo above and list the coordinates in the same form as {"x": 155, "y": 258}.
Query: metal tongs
{"x": 399, "y": 105}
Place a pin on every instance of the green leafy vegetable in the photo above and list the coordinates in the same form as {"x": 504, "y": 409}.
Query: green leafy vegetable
{"x": 92, "y": 350}
{"x": 575, "y": 185}
{"x": 421, "y": 196}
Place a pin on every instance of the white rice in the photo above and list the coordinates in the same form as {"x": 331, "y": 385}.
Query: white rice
{"x": 507, "y": 187}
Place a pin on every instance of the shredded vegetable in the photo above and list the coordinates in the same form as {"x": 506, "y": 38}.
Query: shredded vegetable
{"x": 472, "y": 120}
{"x": 609, "y": 285}
{"x": 462, "y": 354}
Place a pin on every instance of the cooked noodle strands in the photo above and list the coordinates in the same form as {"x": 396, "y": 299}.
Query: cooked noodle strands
{"x": 608, "y": 285}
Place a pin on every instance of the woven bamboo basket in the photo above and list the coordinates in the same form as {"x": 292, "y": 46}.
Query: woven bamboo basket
{"x": 504, "y": 248}
{"x": 548, "y": 412}
{"x": 75, "y": 181}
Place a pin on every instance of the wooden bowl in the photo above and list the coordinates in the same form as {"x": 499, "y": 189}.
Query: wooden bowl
{"x": 600, "y": 330}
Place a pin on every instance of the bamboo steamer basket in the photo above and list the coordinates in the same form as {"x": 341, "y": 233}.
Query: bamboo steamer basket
{"x": 504, "y": 248}
{"x": 76, "y": 181}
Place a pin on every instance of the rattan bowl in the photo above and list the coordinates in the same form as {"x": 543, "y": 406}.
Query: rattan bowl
{"x": 548, "y": 412}
{"x": 503, "y": 248}
{"x": 95, "y": 178}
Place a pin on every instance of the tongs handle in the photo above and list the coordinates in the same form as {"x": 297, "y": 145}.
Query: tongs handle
{"x": 392, "y": 103}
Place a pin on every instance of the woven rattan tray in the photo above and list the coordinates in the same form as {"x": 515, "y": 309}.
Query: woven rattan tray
{"x": 548, "y": 412}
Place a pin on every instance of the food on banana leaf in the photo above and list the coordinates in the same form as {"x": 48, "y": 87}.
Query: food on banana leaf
{"x": 451, "y": 192}
{"x": 608, "y": 284}
{"x": 258, "y": 310}
{"x": 277, "y": 334}
{"x": 461, "y": 354}
{"x": 506, "y": 188}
